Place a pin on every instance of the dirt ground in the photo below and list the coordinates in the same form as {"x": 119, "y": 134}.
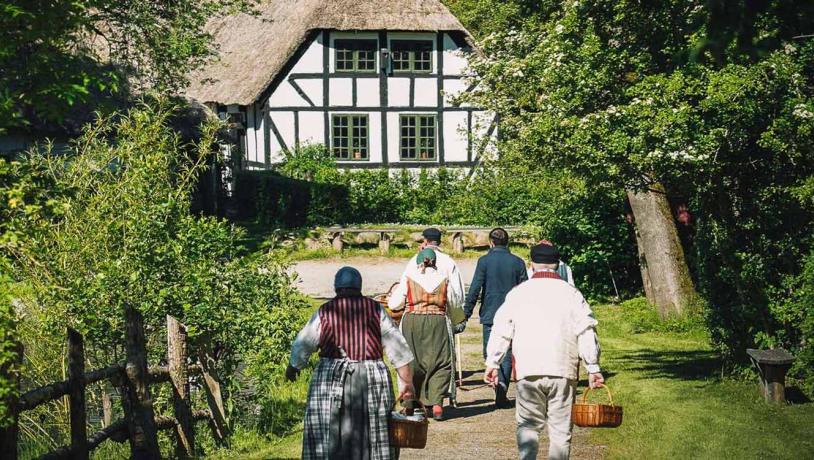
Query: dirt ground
{"x": 474, "y": 429}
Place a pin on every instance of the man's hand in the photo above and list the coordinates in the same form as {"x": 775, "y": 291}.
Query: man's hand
{"x": 291, "y": 373}
{"x": 460, "y": 327}
{"x": 490, "y": 376}
{"x": 596, "y": 380}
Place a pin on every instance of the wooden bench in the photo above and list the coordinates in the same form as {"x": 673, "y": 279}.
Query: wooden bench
{"x": 772, "y": 366}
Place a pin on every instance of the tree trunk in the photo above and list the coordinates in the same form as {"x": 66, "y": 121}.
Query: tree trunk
{"x": 661, "y": 255}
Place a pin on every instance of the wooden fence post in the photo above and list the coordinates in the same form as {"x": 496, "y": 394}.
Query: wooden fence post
{"x": 76, "y": 395}
{"x": 177, "y": 359}
{"x": 8, "y": 433}
{"x": 214, "y": 397}
{"x": 136, "y": 400}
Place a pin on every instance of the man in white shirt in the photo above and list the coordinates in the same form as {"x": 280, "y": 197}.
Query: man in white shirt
{"x": 549, "y": 326}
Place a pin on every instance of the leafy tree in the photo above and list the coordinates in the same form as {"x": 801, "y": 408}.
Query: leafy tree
{"x": 709, "y": 102}
{"x": 61, "y": 58}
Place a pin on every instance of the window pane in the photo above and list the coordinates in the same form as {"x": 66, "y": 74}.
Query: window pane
{"x": 412, "y": 55}
{"x": 355, "y": 55}
{"x": 339, "y": 147}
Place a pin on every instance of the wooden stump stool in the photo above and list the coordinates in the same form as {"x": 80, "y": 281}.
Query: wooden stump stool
{"x": 384, "y": 243}
{"x": 772, "y": 366}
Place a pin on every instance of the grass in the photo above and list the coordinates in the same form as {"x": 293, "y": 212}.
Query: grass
{"x": 677, "y": 405}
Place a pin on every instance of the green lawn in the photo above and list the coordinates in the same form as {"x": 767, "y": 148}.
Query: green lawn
{"x": 677, "y": 406}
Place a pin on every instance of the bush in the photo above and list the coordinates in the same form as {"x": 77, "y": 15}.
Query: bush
{"x": 125, "y": 237}
{"x": 278, "y": 201}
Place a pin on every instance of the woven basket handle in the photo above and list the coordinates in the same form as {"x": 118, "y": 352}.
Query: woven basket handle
{"x": 420, "y": 405}
{"x": 392, "y": 286}
{"x": 588, "y": 390}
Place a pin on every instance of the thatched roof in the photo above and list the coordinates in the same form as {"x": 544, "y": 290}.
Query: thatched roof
{"x": 254, "y": 49}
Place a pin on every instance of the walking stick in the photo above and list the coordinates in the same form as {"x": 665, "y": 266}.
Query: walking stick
{"x": 460, "y": 363}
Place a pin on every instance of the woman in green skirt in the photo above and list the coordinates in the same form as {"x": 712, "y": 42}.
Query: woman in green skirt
{"x": 426, "y": 326}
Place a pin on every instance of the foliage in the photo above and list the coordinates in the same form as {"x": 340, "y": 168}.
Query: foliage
{"x": 125, "y": 237}
{"x": 712, "y": 99}
{"x": 57, "y": 57}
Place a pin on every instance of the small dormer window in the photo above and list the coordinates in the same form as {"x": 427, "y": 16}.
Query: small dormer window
{"x": 354, "y": 55}
{"x": 412, "y": 55}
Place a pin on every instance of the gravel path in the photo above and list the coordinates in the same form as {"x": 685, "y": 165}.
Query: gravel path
{"x": 316, "y": 277}
{"x": 474, "y": 429}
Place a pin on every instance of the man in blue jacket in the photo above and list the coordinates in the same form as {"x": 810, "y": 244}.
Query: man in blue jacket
{"x": 495, "y": 275}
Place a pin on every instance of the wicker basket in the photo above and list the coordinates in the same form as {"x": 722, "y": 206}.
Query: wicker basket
{"x": 596, "y": 415}
{"x": 383, "y": 299}
{"x": 409, "y": 434}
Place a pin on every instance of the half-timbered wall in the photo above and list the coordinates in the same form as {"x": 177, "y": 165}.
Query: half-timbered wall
{"x": 299, "y": 105}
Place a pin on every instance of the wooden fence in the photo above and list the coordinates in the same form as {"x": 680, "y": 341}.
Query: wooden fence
{"x": 140, "y": 424}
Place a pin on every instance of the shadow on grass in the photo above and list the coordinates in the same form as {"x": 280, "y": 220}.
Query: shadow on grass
{"x": 682, "y": 365}
{"x": 794, "y": 395}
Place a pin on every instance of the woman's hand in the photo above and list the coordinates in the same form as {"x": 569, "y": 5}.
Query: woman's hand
{"x": 406, "y": 391}
{"x": 291, "y": 373}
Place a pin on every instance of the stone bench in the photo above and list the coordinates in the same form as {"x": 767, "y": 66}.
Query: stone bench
{"x": 772, "y": 366}
{"x": 462, "y": 237}
{"x": 384, "y": 236}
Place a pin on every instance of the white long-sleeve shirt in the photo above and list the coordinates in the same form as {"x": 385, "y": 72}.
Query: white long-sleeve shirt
{"x": 394, "y": 344}
{"x": 447, "y": 268}
{"x": 549, "y": 326}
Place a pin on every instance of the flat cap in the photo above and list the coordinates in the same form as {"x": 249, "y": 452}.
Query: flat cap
{"x": 432, "y": 234}
{"x": 545, "y": 254}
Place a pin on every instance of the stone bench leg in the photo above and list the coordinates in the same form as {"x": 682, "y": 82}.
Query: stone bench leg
{"x": 773, "y": 382}
{"x": 384, "y": 244}
{"x": 458, "y": 243}
{"x": 337, "y": 243}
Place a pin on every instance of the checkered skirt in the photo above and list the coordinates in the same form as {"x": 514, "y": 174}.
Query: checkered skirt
{"x": 326, "y": 392}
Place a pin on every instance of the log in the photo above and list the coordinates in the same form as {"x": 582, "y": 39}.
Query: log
{"x": 138, "y": 407}
{"x": 177, "y": 359}
{"x": 33, "y": 398}
{"x": 76, "y": 395}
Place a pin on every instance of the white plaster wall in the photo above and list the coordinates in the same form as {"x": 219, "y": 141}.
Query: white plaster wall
{"x": 312, "y": 128}
{"x": 367, "y": 92}
{"x": 455, "y": 139}
{"x": 251, "y": 135}
{"x": 454, "y": 58}
{"x": 398, "y": 92}
{"x": 312, "y": 87}
{"x": 453, "y": 88}
{"x": 340, "y": 91}
{"x": 285, "y": 125}
{"x": 311, "y": 60}
{"x": 426, "y": 92}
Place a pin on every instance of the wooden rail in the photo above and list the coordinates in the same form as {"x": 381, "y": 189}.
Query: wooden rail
{"x": 134, "y": 378}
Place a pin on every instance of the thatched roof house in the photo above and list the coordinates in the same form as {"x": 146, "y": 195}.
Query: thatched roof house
{"x": 363, "y": 77}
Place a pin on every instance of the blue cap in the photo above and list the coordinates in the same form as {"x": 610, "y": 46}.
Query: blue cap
{"x": 348, "y": 277}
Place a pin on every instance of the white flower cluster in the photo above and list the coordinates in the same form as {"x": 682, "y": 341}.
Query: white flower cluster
{"x": 801, "y": 111}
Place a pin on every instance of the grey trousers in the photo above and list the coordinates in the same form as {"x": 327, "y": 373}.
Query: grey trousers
{"x": 544, "y": 400}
